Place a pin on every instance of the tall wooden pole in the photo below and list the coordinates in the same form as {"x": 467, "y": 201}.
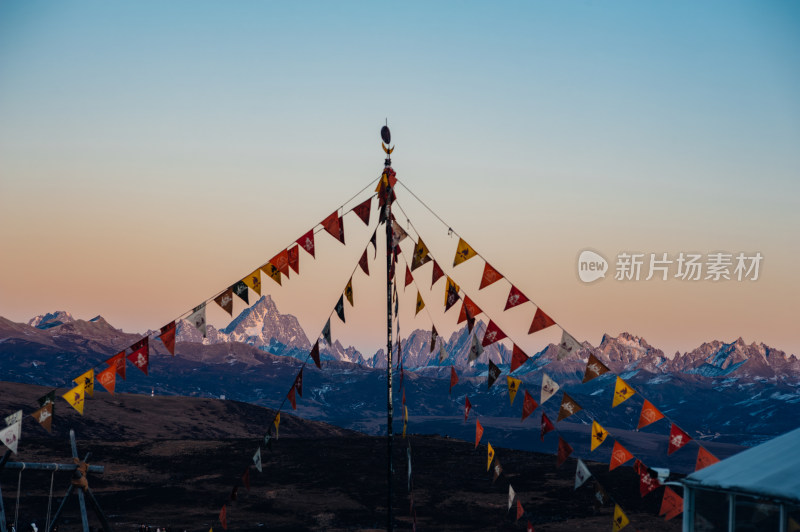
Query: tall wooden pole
{"x": 387, "y": 219}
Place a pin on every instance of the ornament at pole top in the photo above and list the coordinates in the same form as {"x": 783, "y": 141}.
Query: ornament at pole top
{"x": 386, "y": 137}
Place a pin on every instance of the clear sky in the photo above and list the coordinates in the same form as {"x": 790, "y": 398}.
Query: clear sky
{"x": 153, "y": 152}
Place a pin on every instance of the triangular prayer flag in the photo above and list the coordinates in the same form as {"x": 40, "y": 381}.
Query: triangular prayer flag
{"x": 529, "y": 527}
{"x": 620, "y": 519}
{"x": 594, "y": 368}
{"x": 511, "y": 496}
{"x": 704, "y": 459}
{"x": 569, "y": 406}
{"x": 493, "y": 334}
{"x": 564, "y": 450}
{"x": 198, "y": 318}
{"x": 468, "y": 310}
{"x": 326, "y": 332}
{"x": 140, "y": 359}
{"x": 257, "y": 462}
{"x": 646, "y": 482}
{"x": 225, "y": 300}
{"x": 340, "y": 309}
{"x": 490, "y": 275}
{"x": 48, "y": 398}
{"x": 518, "y": 358}
{"x": 434, "y": 334}
{"x": 677, "y": 438}
{"x": 475, "y": 350}
{"x": 437, "y": 273}
{"x": 240, "y": 289}
{"x": 478, "y": 431}
{"x": 75, "y": 397}
{"x": 363, "y": 209}
{"x": 254, "y": 281}
{"x": 453, "y": 378}
{"x": 405, "y": 419}
{"x": 291, "y": 398}
{"x": 11, "y": 434}
{"x": 520, "y": 510}
{"x": 464, "y": 252}
{"x": 341, "y": 229}
{"x": 622, "y": 392}
{"x": 540, "y": 321}
{"x": 272, "y": 272}
{"x": 582, "y": 474}
{"x": 567, "y": 346}
{"x": 421, "y": 255}
{"x": 277, "y": 424}
{"x": 619, "y": 456}
{"x": 409, "y": 277}
{"x": 528, "y": 405}
{"x": 363, "y": 262}
{"x": 549, "y": 388}
{"x": 442, "y": 353}
{"x": 315, "y": 354}
{"x": 496, "y": 470}
{"x": 493, "y": 373}
{"x": 515, "y": 297}
{"x": 88, "y": 381}
{"x": 450, "y": 294}
{"x": 307, "y": 242}
{"x": 398, "y": 233}
{"x": 650, "y": 414}
{"x": 331, "y": 224}
{"x": 601, "y": 498}
{"x": 281, "y": 262}
{"x": 547, "y": 425}
{"x": 467, "y": 408}
{"x": 671, "y": 504}
{"x": 489, "y": 456}
{"x": 294, "y": 258}
{"x": 167, "y": 337}
{"x": 44, "y": 416}
{"x": 223, "y": 517}
{"x": 298, "y": 383}
{"x": 13, "y": 418}
{"x": 599, "y": 435}
{"x": 348, "y": 291}
{"x": 107, "y": 379}
{"x": 420, "y": 303}
{"x": 513, "y": 387}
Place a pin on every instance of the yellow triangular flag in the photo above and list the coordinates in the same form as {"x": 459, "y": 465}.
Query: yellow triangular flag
{"x": 599, "y": 435}
{"x": 420, "y": 303}
{"x": 88, "y": 381}
{"x": 620, "y": 519}
{"x": 254, "y": 281}
{"x": 75, "y": 397}
{"x": 277, "y": 423}
{"x": 490, "y": 456}
{"x": 622, "y": 392}
{"x": 463, "y": 253}
{"x": 451, "y": 290}
{"x": 348, "y": 291}
{"x": 513, "y": 387}
{"x": 405, "y": 420}
{"x": 273, "y": 272}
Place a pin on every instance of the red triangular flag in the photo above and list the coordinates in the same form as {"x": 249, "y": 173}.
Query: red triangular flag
{"x": 298, "y": 383}
{"x": 292, "y": 399}
{"x": 478, "y": 432}
{"x": 646, "y": 482}
{"x": 281, "y": 262}
{"x": 364, "y": 262}
{"x": 167, "y": 337}
{"x": 315, "y": 354}
{"x": 529, "y": 528}
{"x": 671, "y": 504}
{"x": 223, "y": 517}
{"x": 468, "y": 310}
{"x": 437, "y": 273}
{"x": 704, "y": 459}
{"x": 453, "y": 378}
{"x": 467, "y": 407}
{"x": 409, "y": 277}
{"x": 547, "y": 425}
{"x": 564, "y": 450}
{"x": 515, "y": 297}
{"x": 118, "y": 363}
{"x": 677, "y": 438}
{"x": 294, "y": 258}
{"x": 307, "y": 242}
{"x": 492, "y": 334}
{"x": 341, "y": 229}
{"x": 540, "y": 321}
{"x": 490, "y": 275}
{"x": 528, "y": 405}
{"x": 363, "y": 210}
{"x": 246, "y": 479}
{"x": 520, "y": 510}
{"x": 518, "y": 358}
{"x": 619, "y": 456}
{"x": 332, "y": 226}
{"x": 141, "y": 355}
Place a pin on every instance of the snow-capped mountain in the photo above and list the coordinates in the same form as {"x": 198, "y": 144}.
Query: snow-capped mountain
{"x": 51, "y": 319}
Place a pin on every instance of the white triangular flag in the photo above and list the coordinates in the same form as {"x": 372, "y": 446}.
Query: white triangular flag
{"x": 549, "y": 388}
{"x": 568, "y": 346}
{"x": 582, "y": 474}
{"x": 475, "y": 350}
{"x": 13, "y": 418}
{"x": 257, "y": 459}
{"x": 442, "y": 353}
{"x": 409, "y": 468}
{"x": 198, "y": 318}
{"x": 11, "y": 434}
{"x": 511, "y": 495}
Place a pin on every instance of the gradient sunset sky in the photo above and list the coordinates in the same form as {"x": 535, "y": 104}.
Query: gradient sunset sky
{"x": 151, "y": 153}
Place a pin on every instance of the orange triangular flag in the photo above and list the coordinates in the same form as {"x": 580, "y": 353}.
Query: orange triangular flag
{"x": 453, "y": 378}
{"x": 671, "y": 504}
{"x": 107, "y": 379}
{"x": 650, "y": 414}
{"x": 118, "y": 361}
{"x": 464, "y": 252}
{"x": 520, "y": 510}
{"x": 704, "y": 459}
{"x": 619, "y": 455}
{"x": 490, "y": 275}
{"x": 478, "y": 432}
{"x": 540, "y": 321}
{"x": 468, "y": 310}
{"x": 281, "y": 261}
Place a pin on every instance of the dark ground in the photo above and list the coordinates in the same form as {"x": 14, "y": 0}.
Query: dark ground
{"x": 173, "y": 461}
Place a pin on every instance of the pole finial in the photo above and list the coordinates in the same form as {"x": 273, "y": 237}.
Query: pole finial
{"x": 386, "y": 137}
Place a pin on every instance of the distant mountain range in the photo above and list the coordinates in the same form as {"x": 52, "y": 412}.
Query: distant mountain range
{"x": 728, "y": 392}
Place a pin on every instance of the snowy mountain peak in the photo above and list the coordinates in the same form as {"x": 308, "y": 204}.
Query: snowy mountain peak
{"x": 51, "y": 319}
